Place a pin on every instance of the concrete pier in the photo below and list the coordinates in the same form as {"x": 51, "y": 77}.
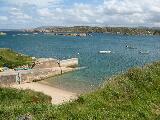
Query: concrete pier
{"x": 42, "y": 69}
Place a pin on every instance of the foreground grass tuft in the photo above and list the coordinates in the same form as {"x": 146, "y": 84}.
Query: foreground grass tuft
{"x": 14, "y": 103}
{"x": 134, "y": 95}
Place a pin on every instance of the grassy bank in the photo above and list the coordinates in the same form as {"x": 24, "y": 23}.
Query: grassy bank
{"x": 11, "y": 59}
{"x": 134, "y": 95}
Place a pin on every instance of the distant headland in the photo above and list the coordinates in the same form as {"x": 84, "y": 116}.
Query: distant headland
{"x": 89, "y": 29}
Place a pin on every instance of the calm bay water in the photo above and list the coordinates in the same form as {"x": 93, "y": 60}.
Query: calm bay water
{"x": 98, "y": 66}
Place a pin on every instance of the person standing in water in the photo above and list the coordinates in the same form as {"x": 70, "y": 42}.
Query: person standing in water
{"x": 59, "y": 64}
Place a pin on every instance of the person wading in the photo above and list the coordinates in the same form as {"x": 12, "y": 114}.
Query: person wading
{"x": 59, "y": 65}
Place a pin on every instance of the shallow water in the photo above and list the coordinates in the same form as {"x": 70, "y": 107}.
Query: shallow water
{"x": 98, "y": 66}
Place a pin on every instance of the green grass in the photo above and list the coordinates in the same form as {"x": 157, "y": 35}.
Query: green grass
{"x": 11, "y": 59}
{"x": 134, "y": 95}
{"x": 14, "y": 103}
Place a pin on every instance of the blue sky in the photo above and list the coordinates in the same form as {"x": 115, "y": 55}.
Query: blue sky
{"x": 34, "y": 13}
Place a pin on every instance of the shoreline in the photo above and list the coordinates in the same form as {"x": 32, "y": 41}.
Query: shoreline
{"x": 58, "y": 96}
{"x": 75, "y": 87}
{"x": 43, "y": 68}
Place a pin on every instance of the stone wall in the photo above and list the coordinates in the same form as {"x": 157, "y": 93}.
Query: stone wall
{"x": 50, "y": 63}
{"x": 40, "y": 74}
{"x": 33, "y": 75}
{"x": 46, "y": 63}
{"x": 44, "y": 69}
{"x": 7, "y": 79}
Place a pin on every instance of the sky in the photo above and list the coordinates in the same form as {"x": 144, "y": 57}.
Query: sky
{"x": 19, "y": 14}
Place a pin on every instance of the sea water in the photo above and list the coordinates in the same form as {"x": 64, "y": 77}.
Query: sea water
{"x": 96, "y": 67}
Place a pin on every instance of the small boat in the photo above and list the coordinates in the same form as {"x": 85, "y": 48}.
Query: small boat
{"x": 130, "y": 47}
{"x": 35, "y": 33}
{"x": 144, "y": 52}
{"x": 25, "y": 34}
{"x": 18, "y": 69}
{"x": 2, "y": 33}
{"x": 104, "y": 52}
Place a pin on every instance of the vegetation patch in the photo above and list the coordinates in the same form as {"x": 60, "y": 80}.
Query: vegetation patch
{"x": 14, "y": 103}
{"x": 11, "y": 59}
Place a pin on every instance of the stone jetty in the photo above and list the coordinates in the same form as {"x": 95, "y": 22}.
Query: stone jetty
{"x": 42, "y": 68}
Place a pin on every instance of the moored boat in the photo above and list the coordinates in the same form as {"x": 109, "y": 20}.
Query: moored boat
{"x": 130, "y": 47}
{"x": 144, "y": 52}
{"x": 104, "y": 52}
{"x": 2, "y": 33}
{"x": 35, "y": 33}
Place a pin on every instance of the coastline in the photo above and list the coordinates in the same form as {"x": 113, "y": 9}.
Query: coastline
{"x": 58, "y": 96}
{"x": 42, "y": 69}
{"x": 24, "y": 77}
{"x": 78, "y": 87}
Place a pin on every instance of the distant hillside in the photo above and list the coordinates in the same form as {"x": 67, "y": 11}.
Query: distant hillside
{"x": 88, "y": 29}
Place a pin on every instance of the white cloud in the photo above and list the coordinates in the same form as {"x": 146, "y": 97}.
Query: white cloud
{"x": 121, "y": 7}
{"x": 38, "y": 3}
{"x": 108, "y": 12}
{"x": 19, "y": 14}
{"x": 44, "y": 12}
{"x": 3, "y": 18}
{"x": 127, "y": 12}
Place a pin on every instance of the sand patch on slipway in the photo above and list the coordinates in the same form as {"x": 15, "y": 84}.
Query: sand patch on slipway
{"x": 58, "y": 96}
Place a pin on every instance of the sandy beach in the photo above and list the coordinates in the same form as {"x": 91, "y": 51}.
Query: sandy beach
{"x": 58, "y": 96}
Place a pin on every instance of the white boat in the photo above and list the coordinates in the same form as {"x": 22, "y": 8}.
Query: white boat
{"x": 104, "y": 52}
{"x": 144, "y": 52}
{"x": 2, "y": 33}
{"x": 35, "y": 33}
{"x": 26, "y": 34}
{"x": 130, "y": 47}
